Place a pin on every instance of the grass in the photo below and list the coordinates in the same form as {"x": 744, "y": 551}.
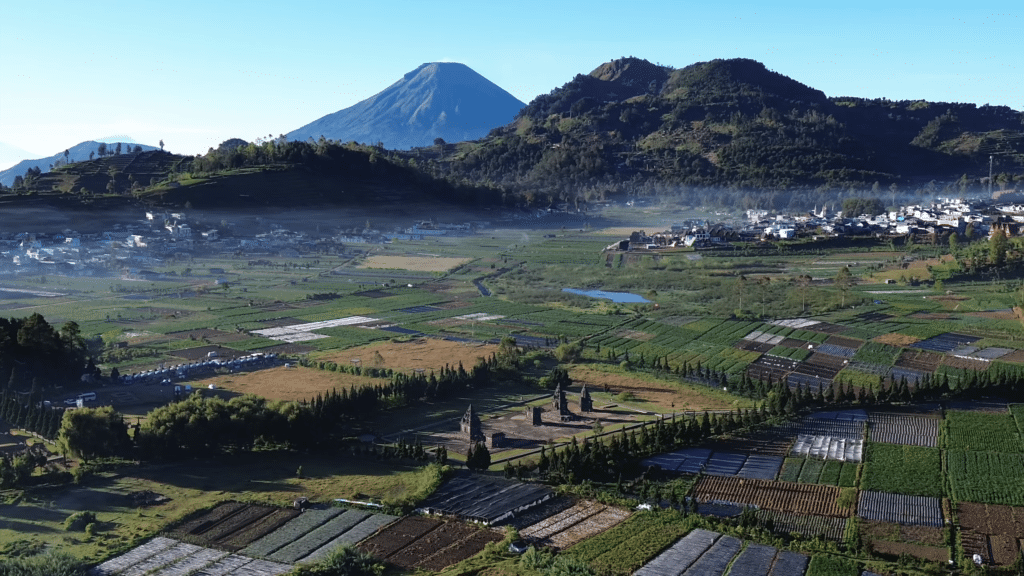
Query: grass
{"x": 911, "y": 470}
{"x": 270, "y": 478}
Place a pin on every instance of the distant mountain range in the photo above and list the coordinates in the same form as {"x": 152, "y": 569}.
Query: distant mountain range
{"x": 76, "y": 153}
{"x": 436, "y": 100}
{"x": 727, "y": 133}
{"x": 11, "y": 155}
{"x": 631, "y": 127}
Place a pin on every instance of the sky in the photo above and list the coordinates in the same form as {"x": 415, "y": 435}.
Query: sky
{"x": 194, "y": 74}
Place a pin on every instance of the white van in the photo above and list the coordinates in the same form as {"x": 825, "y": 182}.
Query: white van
{"x": 88, "y": 396}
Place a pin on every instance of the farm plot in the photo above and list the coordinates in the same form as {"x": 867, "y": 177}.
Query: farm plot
{"x": 787, "y": 563}
{"x": 686, "y": 460}
{"x": 193, "y": 563}
{"x": 836, "y": 350}
{"x": 434, "y": 541}
{"x": 203, "y": 522}
{"x": 900, "y": 509}
{"x": 987, "y": 477}
{"x": 945, "y": 343}
{"x": 813, "y": 471}
{"x": 912, "y": 470}
{"x": 168, "y": 557}
{"x": 961, "y": 363}
{"x": 564, "y": 519}
{"x": 459, "y": 551}
{"x": 595, "y": 524}
{"x": 237, "y": 521}
{"x": 754, "y": 560}
{"x": 981, "y": 431}
{"x": 918, "y": 360}
{"x": 818, "y": 425}
{"x": 774, "y": 441}
{"x": 317, "y": 537}
{"x": 821, "y": 366}
{"x": 289, "y": 532}
{"x": 248, "y": 534}
{"x": 716, "y": 559}
{"x": 485, "y": 499}
{"x": 779, "y": 496}
{"x": 768, "y": 366}
{"x": 354, "y": 535}
{"x": 905, "y": 429}
{"x": 813, "y": 384}
{"x": 828, "y": 447}
{"x": 398, "y": 536}
{"x": 991, "y": 527}
{"x": 837, "y": 340}
{"x": 809, "y": 526}
{"x": 681, "y": 555}
{"x": 912, "y": 376}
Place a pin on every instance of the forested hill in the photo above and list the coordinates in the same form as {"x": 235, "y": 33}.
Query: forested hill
{"x": 245, "y": 175}
{"x": 631, "y": 126}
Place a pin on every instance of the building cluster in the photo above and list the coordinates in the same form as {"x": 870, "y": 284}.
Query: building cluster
{"x": 134, "y": 249}
{"x": 941, "y": 217}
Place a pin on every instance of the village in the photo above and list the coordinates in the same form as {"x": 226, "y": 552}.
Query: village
{"x": 939, "y": 219}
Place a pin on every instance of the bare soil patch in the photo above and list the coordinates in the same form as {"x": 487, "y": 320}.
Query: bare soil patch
{"x": 995, "y": 315}
{"x": 286, "y": 383}
{"x": 423, "y": 353}
{"x": 932, "y": 553}
{"x": 417, "y": 263}
{"x": 896, "y": 339}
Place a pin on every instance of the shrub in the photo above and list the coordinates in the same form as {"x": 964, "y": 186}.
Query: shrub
{"x": 79, "y": 520}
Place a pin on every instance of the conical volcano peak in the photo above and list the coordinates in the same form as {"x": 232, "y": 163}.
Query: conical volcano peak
{"x": 446, "y": 100}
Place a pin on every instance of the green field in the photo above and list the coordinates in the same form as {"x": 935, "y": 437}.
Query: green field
{"x": 981, "y": 431}
{"x": 911, "y": 470}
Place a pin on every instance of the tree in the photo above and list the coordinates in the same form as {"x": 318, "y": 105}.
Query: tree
{"x": 91, "y": 154}
{"x": 843, "y": 281}
{"x": 102, "y": 149}
{"x": 93, "y": 433}
{"x": 161, "y": 145}
{"x": 997, "y": 247}
{"x": 66, "y": 153}
{"x": 478, "y": 457}
{"x": 117, "y": 149}
{"x": 954, "y": 242}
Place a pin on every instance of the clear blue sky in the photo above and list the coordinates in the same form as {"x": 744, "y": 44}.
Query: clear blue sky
{"x": 197, "y": 73}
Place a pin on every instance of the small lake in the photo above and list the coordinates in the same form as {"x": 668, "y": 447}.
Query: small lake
{"x": 618, "y": 297}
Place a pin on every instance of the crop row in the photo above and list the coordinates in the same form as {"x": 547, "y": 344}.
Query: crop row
{"x": 987, "y": 477}
{"x": 981, "y": 431}
{"x": 808, "y": 526}
{"x": 912, "y": 470}
{"x": 623, "y": 549}
{"x": 900, "y": 509}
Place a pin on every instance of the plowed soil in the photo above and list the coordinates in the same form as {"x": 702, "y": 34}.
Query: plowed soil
{"x": 779, "y": 496}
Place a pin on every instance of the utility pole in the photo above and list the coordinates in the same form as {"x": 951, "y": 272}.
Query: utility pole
{"x": 990, "y": 176}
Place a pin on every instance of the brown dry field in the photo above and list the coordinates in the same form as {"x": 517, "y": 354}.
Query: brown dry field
{"x": 285, "y": 383}
{"x": 426, "y": 353}
{"x": 417, "y": 263}
{"x": 679, "y": 397}
{"x": 896, "y": 339}
{"x": 932, "y": 553}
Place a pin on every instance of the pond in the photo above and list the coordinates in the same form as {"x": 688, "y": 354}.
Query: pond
{"x": 618, "y": 297}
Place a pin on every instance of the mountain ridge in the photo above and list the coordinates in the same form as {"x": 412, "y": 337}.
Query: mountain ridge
{"x": 77, "y": 153}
